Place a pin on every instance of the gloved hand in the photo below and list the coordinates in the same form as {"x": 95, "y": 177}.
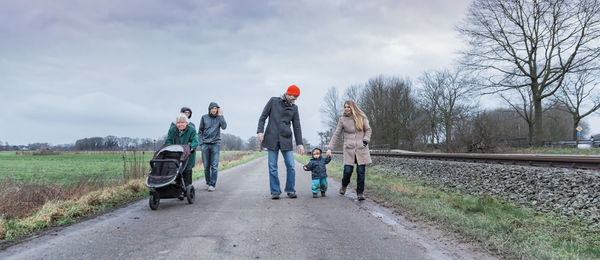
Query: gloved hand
{"x": 365, "y": 143}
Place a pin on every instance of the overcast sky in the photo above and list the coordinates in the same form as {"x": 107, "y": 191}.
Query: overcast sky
{"x": 75, "y": 69}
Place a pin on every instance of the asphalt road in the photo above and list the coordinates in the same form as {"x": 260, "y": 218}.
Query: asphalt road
{"x": 240, "y": 221}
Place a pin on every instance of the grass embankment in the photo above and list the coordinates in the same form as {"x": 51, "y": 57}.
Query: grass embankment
{"x": 32, "y": 201}
{"x": 497, "y": 225}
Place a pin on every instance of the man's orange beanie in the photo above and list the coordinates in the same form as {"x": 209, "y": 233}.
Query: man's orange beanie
{"x": 293, "y": 90}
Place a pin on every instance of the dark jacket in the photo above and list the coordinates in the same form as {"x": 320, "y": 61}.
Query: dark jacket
{"x": 209, "y": 130}
{"x": 187, "y": 136}
{"x": 317, "y": 167}
{"x": 278, "y": 132}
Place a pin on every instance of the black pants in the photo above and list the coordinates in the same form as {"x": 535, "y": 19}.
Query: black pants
{"x": 360, "y": 177}
{"x": 187, "y": 177}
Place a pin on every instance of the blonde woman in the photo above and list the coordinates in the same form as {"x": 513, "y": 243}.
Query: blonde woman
{"x": 357, "y": 135}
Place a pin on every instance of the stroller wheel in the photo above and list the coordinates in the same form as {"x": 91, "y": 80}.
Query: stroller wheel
{"x": 154, "y": 200}
{"x": 191, "y": 194}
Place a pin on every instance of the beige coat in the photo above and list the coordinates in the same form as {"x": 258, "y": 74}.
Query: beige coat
{"x": 353, "y": 140}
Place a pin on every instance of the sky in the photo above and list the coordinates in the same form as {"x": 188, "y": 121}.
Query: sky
{"x": 76, "y": 69}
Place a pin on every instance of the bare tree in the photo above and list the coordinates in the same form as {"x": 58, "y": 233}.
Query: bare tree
{"x": 253, "y": 144}
{"x": 354, "y": 92}
{"x": 523, "y": 106}
{"x": 429, "y": 98}
{"x": 392, "y": 111}
{"x": 531, "y": 44}
{"x": 579, "y": 97}
{"x": 449, "y": 93}
{"x": 332, "y": 108}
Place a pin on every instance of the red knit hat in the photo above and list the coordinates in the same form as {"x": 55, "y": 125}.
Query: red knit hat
{"x": 293, "y": 90}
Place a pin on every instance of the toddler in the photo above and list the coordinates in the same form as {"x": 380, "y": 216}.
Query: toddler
{"x": 319, "y": 172}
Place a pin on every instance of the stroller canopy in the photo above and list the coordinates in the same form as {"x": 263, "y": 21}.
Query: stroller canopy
{"x": 184, "y": 149}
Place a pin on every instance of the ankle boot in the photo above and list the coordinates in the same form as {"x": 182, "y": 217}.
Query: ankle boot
{"x": 343, "y": 190}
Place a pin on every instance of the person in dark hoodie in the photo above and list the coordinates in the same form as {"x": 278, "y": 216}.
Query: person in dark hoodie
{"x": 319, "y": 172}
{"x": 282, "y": 112}
{"x": 188, "y": 112}
{"x": 209, "y": 134}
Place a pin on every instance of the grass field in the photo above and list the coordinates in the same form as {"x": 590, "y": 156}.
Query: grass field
{"x": 74, "y": 167}
{"x": 63, "y": 169}
{"x": 497, "y": 225}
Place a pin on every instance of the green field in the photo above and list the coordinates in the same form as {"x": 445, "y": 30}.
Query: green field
{"x": 72, "y": 167}
{"x": 62, "y": 169}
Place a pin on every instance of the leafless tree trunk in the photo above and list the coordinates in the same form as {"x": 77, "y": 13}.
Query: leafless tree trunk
{"x": 531, "y": 44}
{"x": 579, "y": 97}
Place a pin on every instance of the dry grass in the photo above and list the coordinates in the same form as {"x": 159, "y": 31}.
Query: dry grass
{"x": 22, "y": 200}
{"x": 2, "y": 229}
{"x": 54, "y": 210}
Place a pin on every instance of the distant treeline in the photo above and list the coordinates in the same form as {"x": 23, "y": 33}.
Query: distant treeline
{"x": 113, "y": 143}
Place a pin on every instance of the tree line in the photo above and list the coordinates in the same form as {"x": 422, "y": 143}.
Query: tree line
{"x": 229, "y": 142}
{"x": 438, "y": 112}
{"x": 539, "y": 58}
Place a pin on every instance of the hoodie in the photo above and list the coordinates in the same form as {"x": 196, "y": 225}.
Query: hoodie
{"x": 209, "y": 130}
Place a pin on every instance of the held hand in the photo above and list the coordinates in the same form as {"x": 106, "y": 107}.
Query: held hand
{"x": 261, "y": 137}
{"x": 328, "y": 153}
{"x": 306, "y": 169}
{"x": 301, "y": 149}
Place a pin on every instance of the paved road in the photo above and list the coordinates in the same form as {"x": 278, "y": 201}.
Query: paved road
{"x": 240, "y": 221}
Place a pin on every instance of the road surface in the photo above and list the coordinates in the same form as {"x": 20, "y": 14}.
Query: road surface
{"x": 240, "y": 221}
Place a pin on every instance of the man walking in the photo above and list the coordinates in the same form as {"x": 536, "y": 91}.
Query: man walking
{"x": 209, "y": 133}
{"x": 281, "y": 111}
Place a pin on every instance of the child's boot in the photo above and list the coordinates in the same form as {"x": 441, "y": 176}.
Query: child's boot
{"x": 315, "y": 195}
{"x": 323, "y": 194}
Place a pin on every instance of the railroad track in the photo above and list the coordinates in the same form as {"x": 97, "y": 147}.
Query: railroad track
{"x": 540, "y": 160}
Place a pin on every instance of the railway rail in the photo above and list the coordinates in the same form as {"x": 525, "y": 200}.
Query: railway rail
{"x": 539, "y": 160}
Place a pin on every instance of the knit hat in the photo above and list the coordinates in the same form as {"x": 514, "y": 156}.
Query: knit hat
{"x": 293, "y": 90}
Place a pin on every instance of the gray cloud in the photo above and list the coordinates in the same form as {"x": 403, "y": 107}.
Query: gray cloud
{"x": 125, "y": 68}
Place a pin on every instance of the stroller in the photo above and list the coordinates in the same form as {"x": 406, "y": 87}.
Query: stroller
{"x": 167, "y": 166}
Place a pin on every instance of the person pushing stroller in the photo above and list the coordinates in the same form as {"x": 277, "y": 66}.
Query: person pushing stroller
{"x": 319, "y": 172}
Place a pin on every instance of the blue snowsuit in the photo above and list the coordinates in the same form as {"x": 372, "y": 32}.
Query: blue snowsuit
{"x": 319, "y": 173}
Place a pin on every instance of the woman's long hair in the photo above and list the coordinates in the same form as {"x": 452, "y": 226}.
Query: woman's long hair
{"x": 359, "y": 115}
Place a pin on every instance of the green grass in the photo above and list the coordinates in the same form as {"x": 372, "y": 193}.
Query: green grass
{"x": 497, "y": 225}
{"x": 69, "y": 168}
{"x": 66, "y": 168}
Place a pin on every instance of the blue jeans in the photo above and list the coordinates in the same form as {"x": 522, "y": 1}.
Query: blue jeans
{"x": 210, "y": 158}
{"x": 319, "y": 185}
{"x": 290, "y": 180}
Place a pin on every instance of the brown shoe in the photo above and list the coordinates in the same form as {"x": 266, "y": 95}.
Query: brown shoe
{"x": 315, "y": 195}
{"x": 343, "y": 190}
{"x": 360, "y": 197}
